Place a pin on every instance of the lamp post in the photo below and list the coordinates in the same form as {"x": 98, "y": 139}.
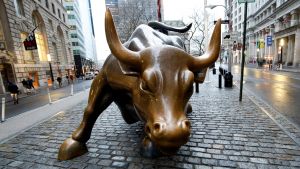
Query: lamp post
{"x": 51, "y": 73}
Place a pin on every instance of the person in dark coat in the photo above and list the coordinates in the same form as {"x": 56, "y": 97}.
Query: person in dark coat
{"x": 14, "y": 90}
{"x": 30, "y": 83}
{"x": 59, "y": 81}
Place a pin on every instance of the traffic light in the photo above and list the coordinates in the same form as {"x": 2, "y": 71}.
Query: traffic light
{"x": 227, "y": 37}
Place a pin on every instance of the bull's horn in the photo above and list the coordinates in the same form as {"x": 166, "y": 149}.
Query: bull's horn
{"x": 212, "y": 53}
{"x": 160, "y": 25}
{"x": 123, "y": 54}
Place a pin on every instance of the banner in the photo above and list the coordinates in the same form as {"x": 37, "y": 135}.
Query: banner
{"x": 30, "y": 42}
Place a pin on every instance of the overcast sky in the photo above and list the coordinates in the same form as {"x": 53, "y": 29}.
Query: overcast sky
{"x": 173, "y": 10}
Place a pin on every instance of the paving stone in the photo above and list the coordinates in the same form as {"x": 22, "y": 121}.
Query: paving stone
{"x": 225, "y": 134}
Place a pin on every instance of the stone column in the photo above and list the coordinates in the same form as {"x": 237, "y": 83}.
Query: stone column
{"x": 289, "y": 50}
{"x": 296, "y": 60}
{"x": 294, "y": 17}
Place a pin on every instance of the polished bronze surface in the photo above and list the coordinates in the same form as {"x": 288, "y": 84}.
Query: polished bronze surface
{"x": 150, "y": 78}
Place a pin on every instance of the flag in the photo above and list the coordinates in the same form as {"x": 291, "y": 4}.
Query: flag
{"x": 30, "y": 42}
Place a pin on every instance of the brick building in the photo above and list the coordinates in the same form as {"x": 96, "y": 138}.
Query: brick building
{"x": 18, "y": 19}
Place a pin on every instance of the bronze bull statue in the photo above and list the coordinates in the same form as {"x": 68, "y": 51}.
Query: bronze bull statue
{"x": 150, "y": 78}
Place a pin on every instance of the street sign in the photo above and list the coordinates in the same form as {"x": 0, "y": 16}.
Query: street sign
{"x": 244, "y": 1}
{"x": 223, "y": 22}
{"x": 269, "y": 40}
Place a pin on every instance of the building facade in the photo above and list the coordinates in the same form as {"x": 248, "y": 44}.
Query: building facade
{"x": 273, "y": 31}
{"x": 90, "y": 63}
{"x": 48, "y": 20}
{"x": 76, "y": 34}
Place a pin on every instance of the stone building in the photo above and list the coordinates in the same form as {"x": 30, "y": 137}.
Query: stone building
{"x": 273, "y": 30}
{"x": 53, "y": 56}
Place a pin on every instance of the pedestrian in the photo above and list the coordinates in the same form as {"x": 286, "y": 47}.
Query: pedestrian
{"x": 71, "y": 78}
{"x": 14, "y": 91}
{"x": 25, "y": 86}
{"x": 30, "y": 83}
{"x": 59, "y": 81}
{"x": 67, "y": 77}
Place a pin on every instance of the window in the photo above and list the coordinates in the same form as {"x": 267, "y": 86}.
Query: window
{"x": 73, "y": 27}
{"x": 47, "y": 3}
{"x": 76, "y": 52}
{"x": 64, "y": 18}
{"x": 53, "y": 8}
{"x": 75, "y": 44}
{"x": 58, "y": 11}
{"x": 240, "y": 17}
{"x": 40, "y": 36}
{"x": 20, "y": 8}
{"x": 71, "y": 16}
{"x": 74, "y": 35}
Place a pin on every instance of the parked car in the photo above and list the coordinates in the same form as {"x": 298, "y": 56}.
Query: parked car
{"x": 89, "y": 75}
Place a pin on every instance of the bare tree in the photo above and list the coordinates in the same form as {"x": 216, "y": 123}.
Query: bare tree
{"x": 132, "y": 13}
{"x": 196, "y": 34}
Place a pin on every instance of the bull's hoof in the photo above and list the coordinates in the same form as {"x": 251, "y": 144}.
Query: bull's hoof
{"x": 148, "y": 149}
{"x": 70, "y": 149}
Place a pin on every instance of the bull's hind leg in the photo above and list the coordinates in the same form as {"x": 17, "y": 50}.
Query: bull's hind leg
{"x": 100, "y": 97}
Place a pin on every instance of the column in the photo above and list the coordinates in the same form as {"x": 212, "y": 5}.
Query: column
{"x": 289, "y": 53}
{"x": 296, "y": 60}
{"x": 294, "y": 18}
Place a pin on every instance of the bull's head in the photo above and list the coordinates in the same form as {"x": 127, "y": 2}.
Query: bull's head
{"x": 164, "y": 86}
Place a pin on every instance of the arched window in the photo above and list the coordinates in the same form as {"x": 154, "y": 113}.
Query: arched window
{"x": 62, "y": 45}
{"x": 40, "y": 36}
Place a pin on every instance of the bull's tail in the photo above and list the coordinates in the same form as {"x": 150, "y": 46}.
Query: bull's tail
{"x": 165, "y": 28}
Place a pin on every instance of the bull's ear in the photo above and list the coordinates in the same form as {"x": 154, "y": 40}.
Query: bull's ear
{"x": 126, "y": 70}
{"x": 200, "y": 76}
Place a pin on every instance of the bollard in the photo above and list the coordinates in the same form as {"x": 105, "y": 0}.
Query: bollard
{"x": 220, "y": 80}
{"x": 49, "y": 96}
{"x": 72, "y": 89}
{"x": 197, "y": 87}
{"x": 3, "y": 109}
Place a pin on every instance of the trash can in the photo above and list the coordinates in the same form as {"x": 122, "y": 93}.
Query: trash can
{"x": 228, "y": 79}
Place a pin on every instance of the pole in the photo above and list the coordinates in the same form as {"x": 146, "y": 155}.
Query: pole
{"x": 3, "y": 109}
{"x": 72, "y": 89}
{"x": 49, "y": 96}
{"x": 51, "y": 73}
{"x": 243, "y": 51}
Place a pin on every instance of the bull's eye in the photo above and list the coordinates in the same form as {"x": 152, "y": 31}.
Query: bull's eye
{"x": 145, "y": 87}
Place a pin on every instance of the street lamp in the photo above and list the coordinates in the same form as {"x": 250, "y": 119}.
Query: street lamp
{"x": 51, "y": 73}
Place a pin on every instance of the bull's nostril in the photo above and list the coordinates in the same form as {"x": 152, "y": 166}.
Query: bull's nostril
{"x": 186, "y": 124}
{"x": 157, "y": 127}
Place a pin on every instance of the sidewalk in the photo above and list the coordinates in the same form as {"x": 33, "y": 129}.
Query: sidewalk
{"x": 40, "y": 90}
{"x": 226, "y": 133}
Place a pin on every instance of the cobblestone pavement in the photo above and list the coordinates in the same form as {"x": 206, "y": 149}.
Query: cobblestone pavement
{"x": 225, "y": 134}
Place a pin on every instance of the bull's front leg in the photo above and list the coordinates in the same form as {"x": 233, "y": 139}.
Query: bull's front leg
{"x": 100, "y": 98}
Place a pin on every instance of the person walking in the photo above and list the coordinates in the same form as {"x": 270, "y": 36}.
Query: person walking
{"x": 59, "y": 81}
{"x": 25, "y": 86}
{"x": 30, "y": 85}
{"x": 14, "y": 90}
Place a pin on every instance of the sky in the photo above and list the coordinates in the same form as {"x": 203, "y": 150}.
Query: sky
{"x": 173, "y": 10}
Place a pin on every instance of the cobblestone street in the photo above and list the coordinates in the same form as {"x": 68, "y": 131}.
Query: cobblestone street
{"x": 225, "y": 134}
